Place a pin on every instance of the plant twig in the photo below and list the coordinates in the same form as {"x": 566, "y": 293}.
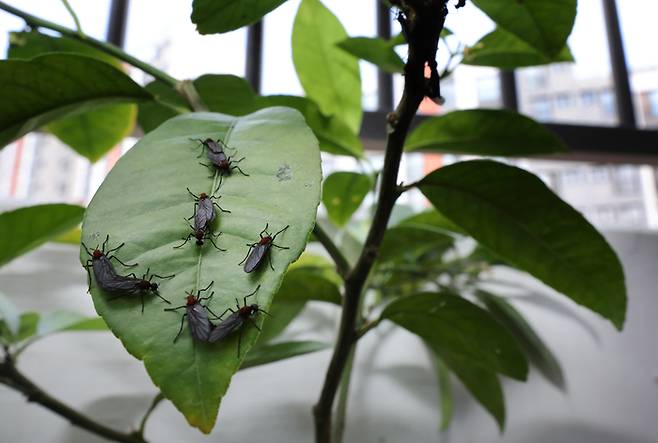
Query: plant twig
{"x": 422, "y": 22}
{"x": 156, "y": 401}
{"x": 12, "y": 377}
{"x": 108, "y": 48}
{"x": 75, "y": 18}
{"x": 342, "y": 265}
{"x": 343, "y": 397}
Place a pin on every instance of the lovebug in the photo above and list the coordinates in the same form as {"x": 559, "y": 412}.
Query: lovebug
{"x": 101, "y": 265}
{"x": 204, "y": 209}
{"x": 201, "y": 234}
{"x": 236, "y": 320}
{"x": 197, "y": 315}
{"x": 215, "y": 149}
{"x": 219, "y": 161}
{"x": 257, "y": 251}
{"x": 132, "y": 285}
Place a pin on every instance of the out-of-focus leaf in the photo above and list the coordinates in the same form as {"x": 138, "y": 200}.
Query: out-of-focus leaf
{"x": 9, "y": 314}
{"x": 431, "y": 219}
{"x": 409, "y": 242}
{"x": 342, "y": 194}
{"x": 265, "y": 354}
{"x": 24, "y": 229}
{"x": 227, "y": 94}
{"x": 219, "y": 16}
{"x": 166, "y": 104}
{"x": 375, "y": 50}
{"x": 71, "y": 237}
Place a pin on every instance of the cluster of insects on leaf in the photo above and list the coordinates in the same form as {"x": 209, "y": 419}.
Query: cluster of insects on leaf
{"x": 204, "y": 325}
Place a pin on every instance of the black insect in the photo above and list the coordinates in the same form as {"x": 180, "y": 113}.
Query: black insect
{"x": 132, "y": 285}
{"x": 204, "y": 210}
{"x": 236, "y": 320}
{"x": 257, "y": 251}
{"x": 101, "y": 265}
{"x": 197, "y": 315}
{"x": 219, "y": 161}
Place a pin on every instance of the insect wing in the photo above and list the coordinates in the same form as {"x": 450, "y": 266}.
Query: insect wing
{"x": 205, "y": 214}
{"x": 103, "y": 272}
{"x": 255, "y": 258}
{"x": 226, "y": 328}
{"x": 216, "y": 156}
{"x": 197, "y": 319}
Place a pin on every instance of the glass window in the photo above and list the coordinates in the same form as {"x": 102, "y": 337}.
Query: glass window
{"x": 653, "y": 103}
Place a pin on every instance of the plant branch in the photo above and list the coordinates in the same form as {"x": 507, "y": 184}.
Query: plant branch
{"x": 342, "y": 265}
{"x": 108, "y": 48}
{"x": 156, "y": 401}
{"x": 74, "y": 16}
{"x": 422, "y": 22}
{"x": 12, "y": 377}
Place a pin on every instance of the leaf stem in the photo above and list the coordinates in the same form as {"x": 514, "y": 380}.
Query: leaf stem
{"x": 75, "y": 18}
{"x": 12, "y": 377}
{"x": 342, "y": 265}
{"x": 424, "y": 21}
{"x": 103, "y": 46}
{"x": 156, "y": 401}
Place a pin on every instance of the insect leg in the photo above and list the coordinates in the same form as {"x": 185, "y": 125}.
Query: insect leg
{"x": 264, "y": 312}
{"x": 239, "y": 169}
{"x": 280, "y": 247}
{"x": 221, "y": 209}
{"x": 182, "y": 322}
{"x": 161, "y": 297}
{"x": 239, "y": 342}
{"x": 161, "y": 277}
{"x": 264, "y": 231}
{"x": 249, "y": 295}
{"x": 213, "y": 243}
{"x": 107, "y": 238}
{"x": 205, "y": 289}
{"x": 269, "y": 259}
{"x": 274, "y": 236}
{"x": 183, "y": 244}
{"x": 251, "y": 246}
{"x": 254, "y": 323}
{"x": 141, "y": 299}
{"x": 86, "y": 249}
{"x": 127, "y": 266}
{"x": 196, "y": 197}
{"x": 113, "y": 250}
{"x": 225, "y": 311}
{"x": 177, "y": 307}
{"x": 214, "y": 315}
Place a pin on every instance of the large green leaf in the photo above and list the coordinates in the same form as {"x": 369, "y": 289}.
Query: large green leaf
{"x": 534, "y": 347}
{"x": 227, "y": 94}
{"x": 342, "y": 194}
{"x": 143, "y": 203}
{"x": 459, "y": 331}
{"x": 502, "y": 49}
{"x": 24, "y": 229}
{"x": 329, "y": 75}
{"x": 494, "y": 132}
{"x": 446, "y": 398}
{"x": 512, "y": 213}
{"x": 52, "y": 86}
{"x": 333, "y": 134}
{"x": 219, "y": 16}
{"x": 265, "y": 354}
{"x": 409, "y": 242}
{"x": 431, "y": 219}
{"x": 544, "y": 24}
{"x": 91, "y": 133}
{"x": 378, "y": 51}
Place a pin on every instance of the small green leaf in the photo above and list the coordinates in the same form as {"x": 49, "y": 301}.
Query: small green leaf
{"x": 543, "y": 24}
{"x": 446, "y": 398}
{"x": 534, "y": 347}
{"x": 514, "y": 214}
{"x": 409, "y": 242}
{"x": 377, "y": 51}
{"x": 494, "y": 132}
{"x": 91, "y": 133}
{"x": 329, "y": 75}
{"x": 265, "y": 354}
{"x": 52, "y": 86}
{"x": 219, "y": 16}
{"x": 9, "y": 314}
{"x": 60, "y": 321}
{"x": 459, "y": 331}
{"x": 143, "y": 202}
{"x": 342, "y": 194}
{"x": 227, "y": 94}
{"x": 24, "y": 229}
{"x": 502, "y": 49}
{"x": 334, "y": 135}
{"x": 166, "y": 104}
{"x": 431, "y": 219}
{"x": 28, "y": 327}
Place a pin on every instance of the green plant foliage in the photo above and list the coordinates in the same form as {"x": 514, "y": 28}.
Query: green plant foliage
{"x": 494, "y": 132}
{"x": 329, "y": 75}
{"x": 26, "y": 228}
{"x": 334, "y": 135}
{"x": 166, "y": 104}
{"x": 143, "y": 202}
{"x": 447, "y": 400}
{"x": 377, "y": 51}
{"x": 52, "y": 86}
{"x": 431, "y": 219}
{"x": 470, "y": 342}
{"x": 9, "y": 315}
{"x": 265, "y": 354}
{"x": 543, "y": 24}
{"x": 513, "y": 213}
{"x": 534, "y": 347}
{"x": 91, "y": 133}
{"x": 502, "y": 49}
{"x": 343, "y": 193}
{"x": 219, "y": 16}
{"x": 409, "y": 242}
{"x": 227, "y": 94}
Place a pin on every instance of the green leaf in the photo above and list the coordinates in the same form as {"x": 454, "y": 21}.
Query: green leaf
{"x": 334, "y": 135}
{"x": 502, "y": 49}
{"x": 28, "y": 327}
{"x": 219, "y": 16}
{"x": 494, "y": 132}
{"x": 377, "y": 51}
{"x": 329, "y": 75}
{"x": 53, "y": 86}
{"x": 431, "y": 219}
{"x": 544, "y": 24}
{"x": 342, "y": 194}
{"x": 91, "y": 133}
{"x": 9, "y": 314}
{"x": 534, "y": 347}
{"x": 71, "y": 237}
{"x": 143, "y": 202}
{"x": 227, "y": 94}
{"x": 61, "y": 321}
{"x": 446, "y": 398}
{"x": 166, "y": 104}
{"x": 265, "y": 354}
{"x": 513, "y": 213}
{"x": 409, "y": 242}
{"x": 24, "y": 229}
{"x": 459, "y": 331}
